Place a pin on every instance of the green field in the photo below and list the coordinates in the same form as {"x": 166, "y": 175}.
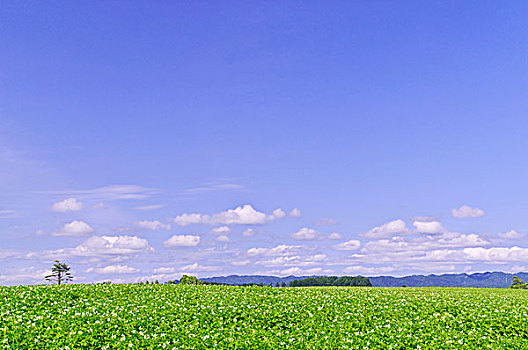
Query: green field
{"x": 203, "y": 317}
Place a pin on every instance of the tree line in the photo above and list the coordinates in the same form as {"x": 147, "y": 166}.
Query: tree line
{"x": 345, "y": 281}
{"x": 60, "y": 273}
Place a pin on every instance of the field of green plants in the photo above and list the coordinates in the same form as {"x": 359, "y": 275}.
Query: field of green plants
{"x": 204, "y": 317}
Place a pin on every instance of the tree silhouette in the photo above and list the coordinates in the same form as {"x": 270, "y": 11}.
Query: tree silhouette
{"x": 60, "y": 273}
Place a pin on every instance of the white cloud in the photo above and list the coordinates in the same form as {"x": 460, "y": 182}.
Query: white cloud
{"x": 292, "y": 271}
{"x": 240, "y": 263}
{"x": 368, "y": 270}
{"x": 222, "y": 230}
{"x": 152, "y": 225}
{"x": 150, "y": 207}
{"x": 295, "y": 213}
{"x": 387, "y": 230}
{"x": 277, "y": 214}
{"x": 199, "y": 268}
{"x": 459, "y": 240}
{"x": 69, "y": 204}
{"x": 281, "y": 249}
{"x": 497, "y": 254}
{"x": 335, "y": 235}
{"x": 295, "y": 260}
{"x": 242, "y": 215}
{"x": 165, "y": 270}
{"x": 314, "y": 271}
{"x": 281, "y": 261}
{"x": 306, "y": 233}
{"x": 74, "y": 228}
{"x": 517, "y": 268}
{"x": 512, "y": 234}
{"x": 223, "y": 238}
{"x": 429, "y": 227}
{"x": 182, "y": 241}
{"x": 99, "y": 246}
{"x": 384, "y": 246}
{"x": 467, "y": 212}
{"x": 248, "y": 232}
{"x": 403, "y": 249}
{"x": 27, "y": 275}
{"x": 297, "y": 271}
{"x": 189, "y": 219}
{"x": 349, "y": 245}
{"x": 116, "y": 269}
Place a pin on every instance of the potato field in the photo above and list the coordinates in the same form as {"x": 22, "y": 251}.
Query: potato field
{"x": 224, "y": 317}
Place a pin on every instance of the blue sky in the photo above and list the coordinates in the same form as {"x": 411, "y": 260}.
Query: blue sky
{"x": 392, "y": 137}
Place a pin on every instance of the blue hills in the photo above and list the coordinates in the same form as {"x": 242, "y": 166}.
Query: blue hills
{"x": 475, "y": 280}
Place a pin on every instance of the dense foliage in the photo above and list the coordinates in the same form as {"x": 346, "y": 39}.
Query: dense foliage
{"x": 517, "y": 283}
{"x": 168, "y": 316}
{"x": 345, "y": 281}
{"x": 190, "y": 280}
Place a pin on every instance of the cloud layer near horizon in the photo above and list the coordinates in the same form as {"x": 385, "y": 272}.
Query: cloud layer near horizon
{"x": 238, "y": 241}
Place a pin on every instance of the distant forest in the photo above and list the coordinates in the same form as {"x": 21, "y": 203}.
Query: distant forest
{"x": 345, "y": 281}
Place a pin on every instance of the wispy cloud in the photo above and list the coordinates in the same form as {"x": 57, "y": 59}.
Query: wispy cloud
{"x": 150, "y": 207}
{"x": 7, "y": 214}
{"x": 114, "y": 270}
{"x": 197, "y": 267}
{"x": 28, "y": 275}
{"x": 280, "y": 250}
{"x": 353, "y": 244}
{"x": 219, "y": 187}
{"x": 111, "y": 192}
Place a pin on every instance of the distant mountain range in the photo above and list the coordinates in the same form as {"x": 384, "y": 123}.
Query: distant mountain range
{"x": 477, "y": 280}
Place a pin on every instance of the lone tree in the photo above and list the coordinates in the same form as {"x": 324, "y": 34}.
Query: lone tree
{"x": 60, "y": 273}
{"x": 517, "y": 283}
